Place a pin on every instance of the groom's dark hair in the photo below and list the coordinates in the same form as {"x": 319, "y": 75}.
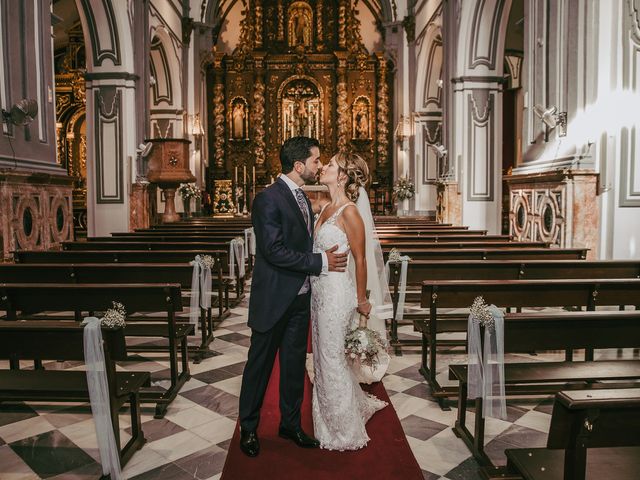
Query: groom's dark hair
{"x": 296, "y": 149}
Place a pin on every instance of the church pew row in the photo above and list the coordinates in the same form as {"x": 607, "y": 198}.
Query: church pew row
{"x": 438, "y": 294}
{"x": 528, "y": 332}
{"x": 420, "y": 270}
{"x": 593, "y": 434}
{"x": 60, "y": 341}
{"x": 204, "y": 236}
{"x": 127, "y": 273}
{"x": 136, "y": 298}
{"x": 490, "y": 253}
{"x": 133, "y": 243}
{"x": 130, "y": 255}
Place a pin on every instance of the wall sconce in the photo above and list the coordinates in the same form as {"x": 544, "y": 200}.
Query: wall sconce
{"x": 404, "y": 130}
{"x": 196, "y": 129}
{"x": 552, "y": 119}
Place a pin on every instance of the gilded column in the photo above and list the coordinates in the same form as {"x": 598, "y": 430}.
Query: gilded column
{"x": 258, "y": 24}
{"x": 218, "y": 113}
{"x": 383, "y": 113}
{"x": 259, "y": 118}
{"x": 319, "y": 24}
{"x": 342, "y": 24}
{"x": 280, "y": 21}
{"x": 343, "y": 106}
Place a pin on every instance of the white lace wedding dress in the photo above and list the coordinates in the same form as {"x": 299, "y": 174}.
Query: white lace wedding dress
{"x": 340, "y": 407}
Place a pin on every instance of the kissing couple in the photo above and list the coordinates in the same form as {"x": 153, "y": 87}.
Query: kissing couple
{"x": 320, "y": 270}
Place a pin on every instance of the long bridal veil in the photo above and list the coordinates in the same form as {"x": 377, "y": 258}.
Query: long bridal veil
{"x": 377, "y": 285}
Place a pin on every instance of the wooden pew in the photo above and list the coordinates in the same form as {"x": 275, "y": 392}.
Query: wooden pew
{"x": 42, "y": 340}
{"x": 497, "y": 253}
{"x": 420, "y": 270}
{"x": 137, "y": 298}
{"x": 419, "y": 243}
{"x": 126, "y": 273}
{"x": 131, "y": 255}
{"x": 593, "y": 434}
{"x": 528, "y": 332}
{"x": 509, "y": 293}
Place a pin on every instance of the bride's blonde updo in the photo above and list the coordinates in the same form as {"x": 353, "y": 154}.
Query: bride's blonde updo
{"x": 357, "y": 171}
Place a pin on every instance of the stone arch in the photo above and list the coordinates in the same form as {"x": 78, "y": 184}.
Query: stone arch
{"x": 165, "y": 93}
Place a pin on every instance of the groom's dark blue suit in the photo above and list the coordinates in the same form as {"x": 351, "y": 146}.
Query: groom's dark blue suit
{"x": 278, "y": 315}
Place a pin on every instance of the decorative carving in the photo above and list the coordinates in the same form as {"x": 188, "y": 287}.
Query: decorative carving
{"x": 246, "y": 41}
{"x": 280, "y": 21}
{"x": 238, "y": 119}
{"x": 342, "y": 24}
{"x": 259, "y": 120}
{"x": 258, "y": 24}
{"x": 218, "y": 124}
{"x": 343, "y": 116}
{"x": 361, "y": 118}
{"x": 409, "y": 24}
{"x": 319, "y": 25}
{"x": 353, "y": 39}
{"x": 383, "y": 113}
{"x": 223, "y": 199}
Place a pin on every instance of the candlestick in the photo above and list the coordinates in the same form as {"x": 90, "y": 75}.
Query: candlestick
{"x": 244, "y": 179}
{"x": 236, "y": 176}
{"x": 253, "y": 175}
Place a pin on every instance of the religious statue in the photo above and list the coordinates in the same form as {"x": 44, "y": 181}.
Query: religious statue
{"x": 360, "y": 119}
{"x": 300, "y": 24}
{"x": 362, "y": 122}
{"x": 239, "y": 119}
{"x": 301, "y": 120}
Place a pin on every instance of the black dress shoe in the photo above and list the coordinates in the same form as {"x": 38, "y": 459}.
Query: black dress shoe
{"x": 249, "y": 443}
{"x": 299, "y": 437}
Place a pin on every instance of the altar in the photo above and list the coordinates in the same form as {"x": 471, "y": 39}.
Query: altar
{"x": 299, "y": 69}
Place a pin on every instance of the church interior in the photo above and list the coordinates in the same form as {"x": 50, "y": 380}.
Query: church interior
{"x": 502, "y": 139}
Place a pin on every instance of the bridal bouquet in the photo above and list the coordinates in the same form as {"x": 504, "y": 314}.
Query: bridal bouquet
{"x": 363, "y": 345}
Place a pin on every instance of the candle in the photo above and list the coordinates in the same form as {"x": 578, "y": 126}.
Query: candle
{"x": 236, "y": 175}
{"x": 244, "y": 176}
{"x": 253, "y": 178}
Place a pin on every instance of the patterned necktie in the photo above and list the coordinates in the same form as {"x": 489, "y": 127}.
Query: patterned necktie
{"x": 302, "y": 203}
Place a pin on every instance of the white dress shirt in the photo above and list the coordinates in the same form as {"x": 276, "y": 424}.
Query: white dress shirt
{"x": 325, "y": 262}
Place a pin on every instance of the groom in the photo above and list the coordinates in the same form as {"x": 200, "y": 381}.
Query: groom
{"x": 280, "y": 293}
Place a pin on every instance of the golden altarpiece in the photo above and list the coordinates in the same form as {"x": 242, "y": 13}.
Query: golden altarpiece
{"x": 300, "y": 68}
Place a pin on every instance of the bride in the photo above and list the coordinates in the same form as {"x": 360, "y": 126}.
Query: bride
{"x": 340, "y": 407}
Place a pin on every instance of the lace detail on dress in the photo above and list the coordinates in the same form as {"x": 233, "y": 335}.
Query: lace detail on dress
{"x": 340, "y": 407}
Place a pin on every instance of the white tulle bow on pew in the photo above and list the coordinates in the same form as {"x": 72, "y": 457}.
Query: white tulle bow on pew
{"x": 485, "y": 375}
{"x": 394, "y": 257}
{"x": 236, "y": 255}
{"x": 200, "y": 287}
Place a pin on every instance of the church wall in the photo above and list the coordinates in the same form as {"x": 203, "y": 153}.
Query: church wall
{"x": 35, "y": 191}
{"x": 584, "y": 61}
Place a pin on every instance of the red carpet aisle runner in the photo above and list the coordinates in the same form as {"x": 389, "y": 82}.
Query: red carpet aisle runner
{"x": 386, "y": 456}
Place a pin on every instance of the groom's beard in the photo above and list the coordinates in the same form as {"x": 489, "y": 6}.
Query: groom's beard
{"x": 309, "y": 177}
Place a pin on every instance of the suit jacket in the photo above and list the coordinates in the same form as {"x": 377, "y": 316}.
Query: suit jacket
{"x": 284, "y": 255}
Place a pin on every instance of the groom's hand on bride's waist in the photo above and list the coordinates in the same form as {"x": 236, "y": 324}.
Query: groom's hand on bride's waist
{"x": 337, "y": 262}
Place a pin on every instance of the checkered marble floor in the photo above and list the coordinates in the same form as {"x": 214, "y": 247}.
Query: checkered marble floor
{"x": 191, "y": 442}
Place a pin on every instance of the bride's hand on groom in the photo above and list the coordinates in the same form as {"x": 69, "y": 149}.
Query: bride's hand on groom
{"x": 337, "y": 262}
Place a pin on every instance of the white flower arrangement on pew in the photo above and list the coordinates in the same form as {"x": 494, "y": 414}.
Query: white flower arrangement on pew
{"x": 189, "y": 190}
{"x": 205, "y": 261}
{"x": 481, "y": 313}
{"x": 115, "y": 316}
{"x": 395, "y": 256}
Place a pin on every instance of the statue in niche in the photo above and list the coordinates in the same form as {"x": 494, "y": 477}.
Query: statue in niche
{"x": 300, "y": 110}
{"x": 361, "y": 121}
{"x": 239, "y": 120}
{"x": 301, "y": 121}
{"x": 299, "y": 24}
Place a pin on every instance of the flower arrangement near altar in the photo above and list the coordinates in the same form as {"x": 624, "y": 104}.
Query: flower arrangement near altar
{"x": 403, "y": 188}
{"x": 189, "y": 190}
{"x": 363, "y": 345}
{"x": 114, "y": 317}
